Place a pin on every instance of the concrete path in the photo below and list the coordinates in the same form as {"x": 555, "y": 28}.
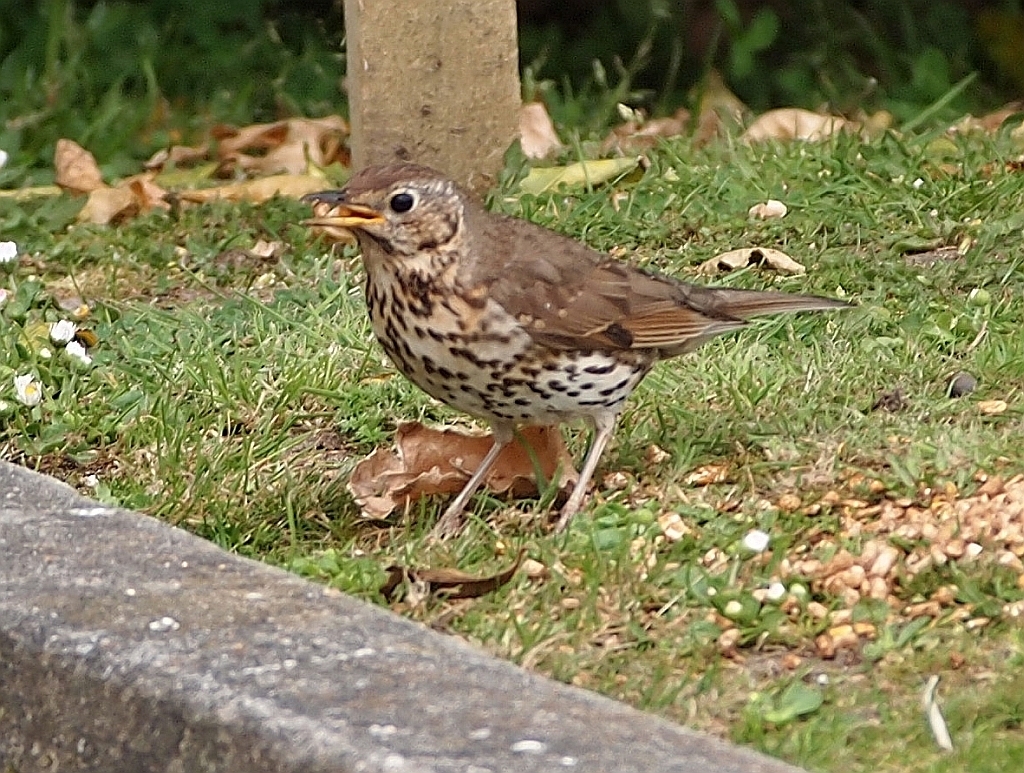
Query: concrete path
{"x": 127, "y": 645}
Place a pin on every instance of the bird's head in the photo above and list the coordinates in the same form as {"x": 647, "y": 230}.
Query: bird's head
{"x": 402, "y": 210}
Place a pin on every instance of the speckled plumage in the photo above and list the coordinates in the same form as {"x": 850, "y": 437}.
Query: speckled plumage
{"x": 514, "y": 323}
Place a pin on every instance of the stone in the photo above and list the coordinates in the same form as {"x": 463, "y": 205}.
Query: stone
{"x": 129, "y": 645}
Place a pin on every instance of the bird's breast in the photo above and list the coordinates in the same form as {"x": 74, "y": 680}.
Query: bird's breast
{"x": 467, "y": 351}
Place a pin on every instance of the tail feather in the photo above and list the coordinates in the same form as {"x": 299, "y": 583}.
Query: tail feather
{"x": 743, "y": 304}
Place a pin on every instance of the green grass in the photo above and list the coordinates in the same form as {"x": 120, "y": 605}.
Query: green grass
{"x": 234, "y": 397}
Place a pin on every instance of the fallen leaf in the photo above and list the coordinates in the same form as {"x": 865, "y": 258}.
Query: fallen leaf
{"x": 284, "y": 147}
{"x": 432, "y": 461}
{"x": 75, "y": 168}
{"x": 109, "y": 205}
{"x": 178, "y": 156}
{"x": 265, "y": 249}
{"x": 453, "y": 583}
{"x": 258, "y": 190}
{"x": 707, "y": 474}
{"x": 768, "y": 210}
{"x": 147, "y": 193}
{"x": 992, "y": 407}
{"x": 130, "y": 197}
{"x": 637, "y": 136}
{"x": 794, "y": 123}
{"x": 537, "y": 135}
{"x": 673, "y": 526}
{"x": 762, "y": 257}
{"x": 548, "y": 178}
{"x": 989, "y": 123}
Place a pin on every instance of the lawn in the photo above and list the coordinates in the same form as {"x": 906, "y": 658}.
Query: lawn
{"x": 232, "y": 392}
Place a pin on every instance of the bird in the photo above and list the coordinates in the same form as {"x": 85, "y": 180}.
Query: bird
{"x": 514, "y": 323}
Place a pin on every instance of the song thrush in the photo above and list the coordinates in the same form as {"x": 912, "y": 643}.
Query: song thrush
{"x": 514, "y": 323}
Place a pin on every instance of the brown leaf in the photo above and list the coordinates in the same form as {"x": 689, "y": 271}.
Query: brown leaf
{"x": 76, "y": 169}
{"x": 988, "y": 124}
{"x": 707, "y": 475}
{"x": 794, "y": 123}
{"x": 767, "y": 210}
{"x": 109, "y": 205}
{"x": 537, "y": 135}
{"x": 454, "y": 584}
{"x": 752, "y": 256}
{"x": 431, "y": 461}
{"x": 259, "y": 190}
{"x": 178, "y": 156}
{"x": 147, "y": 193}
{"x": 635, "y": 137}
{"x": 992, "y": 407}
{"x": 126, "y": 200}
{"x": 288, "y": 147}
{"x": 269, "y": 250}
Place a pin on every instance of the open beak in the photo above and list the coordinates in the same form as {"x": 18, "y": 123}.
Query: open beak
{"x": 336, "y": 218}
{"x": 330, "y": 210}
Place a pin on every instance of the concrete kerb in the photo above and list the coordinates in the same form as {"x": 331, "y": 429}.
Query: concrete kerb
{"x": 128, "y": 645}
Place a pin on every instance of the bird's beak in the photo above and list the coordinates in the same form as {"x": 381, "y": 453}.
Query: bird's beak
{"x": 331, "y": 212}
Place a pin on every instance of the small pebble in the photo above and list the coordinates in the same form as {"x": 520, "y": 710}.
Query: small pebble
{"x": 962, "y": 383}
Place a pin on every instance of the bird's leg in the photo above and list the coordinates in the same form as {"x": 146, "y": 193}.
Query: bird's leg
{"x": 449, "y": 523}
{"x": 604, "y": 426}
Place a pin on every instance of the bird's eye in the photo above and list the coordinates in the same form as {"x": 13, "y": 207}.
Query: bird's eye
{"x": 402, "y": 202}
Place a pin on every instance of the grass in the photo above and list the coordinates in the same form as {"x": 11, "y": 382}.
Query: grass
{"x": 233, "y": 397}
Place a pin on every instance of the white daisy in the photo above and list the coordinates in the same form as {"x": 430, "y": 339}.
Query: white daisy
{"x": 28, "y": 391}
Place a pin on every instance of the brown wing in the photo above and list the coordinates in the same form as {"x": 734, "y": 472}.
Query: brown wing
{"x": 570, "y": 296}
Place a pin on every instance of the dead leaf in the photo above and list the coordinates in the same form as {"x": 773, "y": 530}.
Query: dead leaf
{"x": 147, "y": 193}
{"x": 537, "y": 135}
{"x": 794, "y": 123}
{"x": 452, "y": 583}
{"x": 762, "y": 257}
{"x": 258, "y": 190}
{"x": 76, "y": 169}
{"x": 265, "y": 249}
{"x": 109, "y": 205}
{"x": 637, "y": 136}
{"x": 432, "y": 461}
{"x": 130, "y": 197}
{"x": 673, "y": 526}
{"x": 285, "y": 147}
{"x": 178, "y": 156}
{"x": 707, "y": 475}
{"x": 768, "y": 210}
{"x": 576, "y": 175}
{"x": 989, "y": 123}
{"x": 992, "y": 407}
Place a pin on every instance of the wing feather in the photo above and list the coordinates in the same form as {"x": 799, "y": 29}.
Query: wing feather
{"x": 570, "y": 296}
